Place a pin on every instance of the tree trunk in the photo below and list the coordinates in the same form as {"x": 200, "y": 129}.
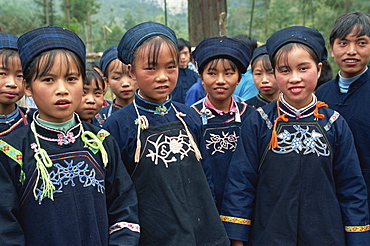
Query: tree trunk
{"x": 206, "y": 18}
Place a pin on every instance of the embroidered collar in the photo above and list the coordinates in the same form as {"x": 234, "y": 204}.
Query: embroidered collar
{"x": 152, "y": 107}
{"x": 115, "y": 105}
{"x": 291, "y": 111}
{"x": 208, "y": 104}
{"x": 53, "y": 135}
{"x": 262, "y": 98}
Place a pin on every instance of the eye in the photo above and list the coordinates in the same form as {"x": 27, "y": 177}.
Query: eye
{"x": 72, "y": 79}
{"x": 2, "y": 74}
{"x": 47, "y": 80}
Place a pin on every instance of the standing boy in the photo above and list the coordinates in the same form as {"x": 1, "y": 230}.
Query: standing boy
{"x": 349, "y": 92}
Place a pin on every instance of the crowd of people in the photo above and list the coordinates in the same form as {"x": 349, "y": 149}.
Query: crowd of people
{"x": 231, "y": 144}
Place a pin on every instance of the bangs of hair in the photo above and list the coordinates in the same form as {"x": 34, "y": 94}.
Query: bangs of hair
{"x": 359, "y": 22}
{"x": 153, "y": 46}
{"x": 93, "y": 76}
{"x": 281, "y": 56}
{"x": 8, "y": 55}
{"x": 119, "y": 66}
{"x": 46, "y": 60}
{"x": 265, "y": 62}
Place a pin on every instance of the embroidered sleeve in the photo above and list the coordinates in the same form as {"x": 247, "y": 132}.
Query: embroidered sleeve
{"x": 121, "y": 225}
{"x": 235, "y": 220}
{"x": 15, "y": 155}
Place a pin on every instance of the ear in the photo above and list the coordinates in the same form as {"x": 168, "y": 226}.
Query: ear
{"x": 331, "y": 51}
{"x": 27, "y": 90}
{"x": 319, "y": 69}
{"x": 131, "y": 72}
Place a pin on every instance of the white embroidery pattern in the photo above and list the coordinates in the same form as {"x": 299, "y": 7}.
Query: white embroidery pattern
{"x": 168, "y": 148}
{"x": 220, "y": 143}
{"x": 302, "y": 139}
{"x": 67, "y": 175}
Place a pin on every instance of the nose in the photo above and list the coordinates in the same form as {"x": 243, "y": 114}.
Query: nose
{"x": 161, "y": 75}
{"x": 11, "y": 81}
{"x": 61, "y": 88}
{"x": 220, "y": 79}
{"x": 90, "y": 99}
{"x": 351, "y": 49}
{"x": 295, "y": 77}
{"x": 265, "y": 78}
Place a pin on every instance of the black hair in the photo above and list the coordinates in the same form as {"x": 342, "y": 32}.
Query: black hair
{"x": 250, "y": 41}
{"x": 360, "y": 22}
{"x": 153, "y": 45}
{"x": 326, "y": 73}
{"x": 213, "y": 63}
{"x": 182, "y": 43}
{"x": 282, "y": 53}
{"x": 93, "y": 76}
{"x": 6, "y": 54}
{"x": 47, "y": 58}
{"x": 120, "y": 65}
{"x": 266, "y": 63}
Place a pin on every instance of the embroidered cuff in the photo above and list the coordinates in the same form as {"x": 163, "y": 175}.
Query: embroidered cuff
{"x": 357, "y": 228}
{"x": 121, "y": 225}
{"x": 235, "y": 220}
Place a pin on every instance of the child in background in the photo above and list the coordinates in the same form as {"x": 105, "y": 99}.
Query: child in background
{"x": 92, "y": 98}
{"x": 12, "y": 116}
{"x": 119, "y": 81}
{"x": 221, "y": 63}
{"x": 62, "y": 180}
{"x": 264, "y": 79}
{"x": 296, "y": 178}
{"x": 158, "y": 142}
{"x": 349, "y": 92}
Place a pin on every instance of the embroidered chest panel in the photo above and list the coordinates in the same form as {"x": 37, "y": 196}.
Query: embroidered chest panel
{"x": 222, "y": 140}
{"x": 70, "y": 171}
{"x": 306, "y": 138}
{"x": 167, "y": 147}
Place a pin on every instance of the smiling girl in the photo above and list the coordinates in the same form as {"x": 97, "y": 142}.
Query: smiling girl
{"x": 62, "y": 180}
{"x": 297, "y": 178}
{"x": 221, "y": 62}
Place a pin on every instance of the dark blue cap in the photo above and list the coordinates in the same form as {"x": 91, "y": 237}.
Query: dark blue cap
{"x": 34, "y": 42}
{"x": 222, "y": 47}
{"x": 109, "y": 55}
{"x": 137, "y": 35}
{"x": 8, "y": 41}
{"x": 260, "y": 50}
{"x": 297, "y": 34}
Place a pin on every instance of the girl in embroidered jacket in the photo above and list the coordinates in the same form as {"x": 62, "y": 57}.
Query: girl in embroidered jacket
{"x": 221, "y": 62}
{"x": 158, "y": 140}
{"x": 12, "y": 116}
{"x": 62, "y": 180}
{"x": 296, "y": 178}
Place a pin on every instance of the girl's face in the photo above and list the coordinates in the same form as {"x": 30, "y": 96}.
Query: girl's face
{"x": 265, "y": 80}
{"x": 220, "y": 80}
{"x": 297, "y": 74}
{"x": 58, "y": 93}
{"x": 120, "y": 82}
{"x": 11, "y": 84}
{"x": 156, "y": 80}
{"x": 92, "y": 100}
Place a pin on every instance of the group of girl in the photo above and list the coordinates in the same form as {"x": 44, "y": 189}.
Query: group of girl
{"x": 162, "y": 173}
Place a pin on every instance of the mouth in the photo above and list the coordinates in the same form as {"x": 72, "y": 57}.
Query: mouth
{"x": 350, "y": 61}
{"x": 10, "y": 94}
{"x": 296, "y": 90}
{"x": 126, "y": 91}
{"x": 63, "y": 103}
{"x": 265, "y": 88}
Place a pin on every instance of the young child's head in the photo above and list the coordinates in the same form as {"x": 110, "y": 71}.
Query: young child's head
{"x": 221, "y": 62}
{"x": 263, "y": 74}
{"x": 118, "y": 77}
{"x": 53, "y": 64}
{"x": 93, "y": 95}
{"x": 11, "y": 77}
{"x": 350, "y": 43}
{"x": 184, "y": 48}
{"x": 296, "y": 53}
{"x": 150, "y": 50}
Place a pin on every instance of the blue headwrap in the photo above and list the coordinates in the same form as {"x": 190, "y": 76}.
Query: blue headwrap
{"x": 261, "y": 50}
{"x": 109, "y": 55}
{"x": 223, "y": 47}
{"x": 137, "y": 35}
{"x": 34, "y": 42}
{"x": 8, "y": 41}
{"x": 297, "y": 34}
